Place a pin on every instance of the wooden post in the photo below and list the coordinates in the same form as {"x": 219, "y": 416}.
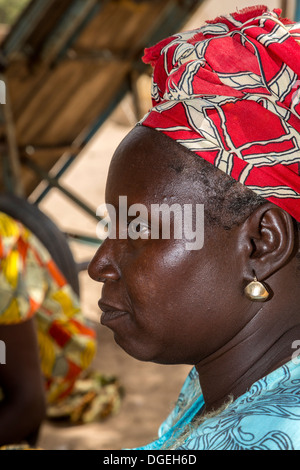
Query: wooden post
{"x": 11, "y": 147}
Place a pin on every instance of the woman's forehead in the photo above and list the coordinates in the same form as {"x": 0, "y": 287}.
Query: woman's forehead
{"x": 147, "y": 164}
{"x": 146, "y": 147}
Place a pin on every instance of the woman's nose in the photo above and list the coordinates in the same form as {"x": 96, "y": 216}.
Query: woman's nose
{"x": 103, "y": 265}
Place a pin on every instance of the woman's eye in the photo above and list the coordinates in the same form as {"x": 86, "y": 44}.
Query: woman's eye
{"x": 138, "y": 229}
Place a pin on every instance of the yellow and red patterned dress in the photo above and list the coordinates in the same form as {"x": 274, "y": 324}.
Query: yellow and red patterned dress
{"x": 32, "y": 285}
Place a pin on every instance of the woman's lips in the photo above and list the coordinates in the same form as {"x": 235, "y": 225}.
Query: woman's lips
{"x": 110, "y": 313}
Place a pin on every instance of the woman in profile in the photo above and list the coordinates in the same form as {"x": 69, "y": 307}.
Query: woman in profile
{"x": 223, "y": 132}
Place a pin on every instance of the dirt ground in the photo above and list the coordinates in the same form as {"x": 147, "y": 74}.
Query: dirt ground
{"x": 150, "y": 389}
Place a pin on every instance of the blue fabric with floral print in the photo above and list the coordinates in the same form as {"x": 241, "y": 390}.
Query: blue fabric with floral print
{"x": 266, "y": 417}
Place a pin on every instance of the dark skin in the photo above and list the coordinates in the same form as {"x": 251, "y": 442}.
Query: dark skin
{"x": 168, "y": 305}
{"x": 23, "y": 408}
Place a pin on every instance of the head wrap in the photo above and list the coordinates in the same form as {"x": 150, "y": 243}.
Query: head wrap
{"x": 228, "y": 91}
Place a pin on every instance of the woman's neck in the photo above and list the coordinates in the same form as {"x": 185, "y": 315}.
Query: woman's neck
{"x": 251, "y": 355}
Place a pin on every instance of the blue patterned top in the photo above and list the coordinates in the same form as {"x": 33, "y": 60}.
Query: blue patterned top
{"x": 266, "y": 417}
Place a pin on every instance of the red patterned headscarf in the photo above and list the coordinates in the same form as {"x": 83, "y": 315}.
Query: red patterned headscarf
{"x": 228, "y": 91}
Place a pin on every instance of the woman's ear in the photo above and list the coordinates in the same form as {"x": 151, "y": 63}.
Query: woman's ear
{"x": 269, "y": 240}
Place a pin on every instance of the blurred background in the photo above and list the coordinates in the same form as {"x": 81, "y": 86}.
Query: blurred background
{"x": 75, "y": 86}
